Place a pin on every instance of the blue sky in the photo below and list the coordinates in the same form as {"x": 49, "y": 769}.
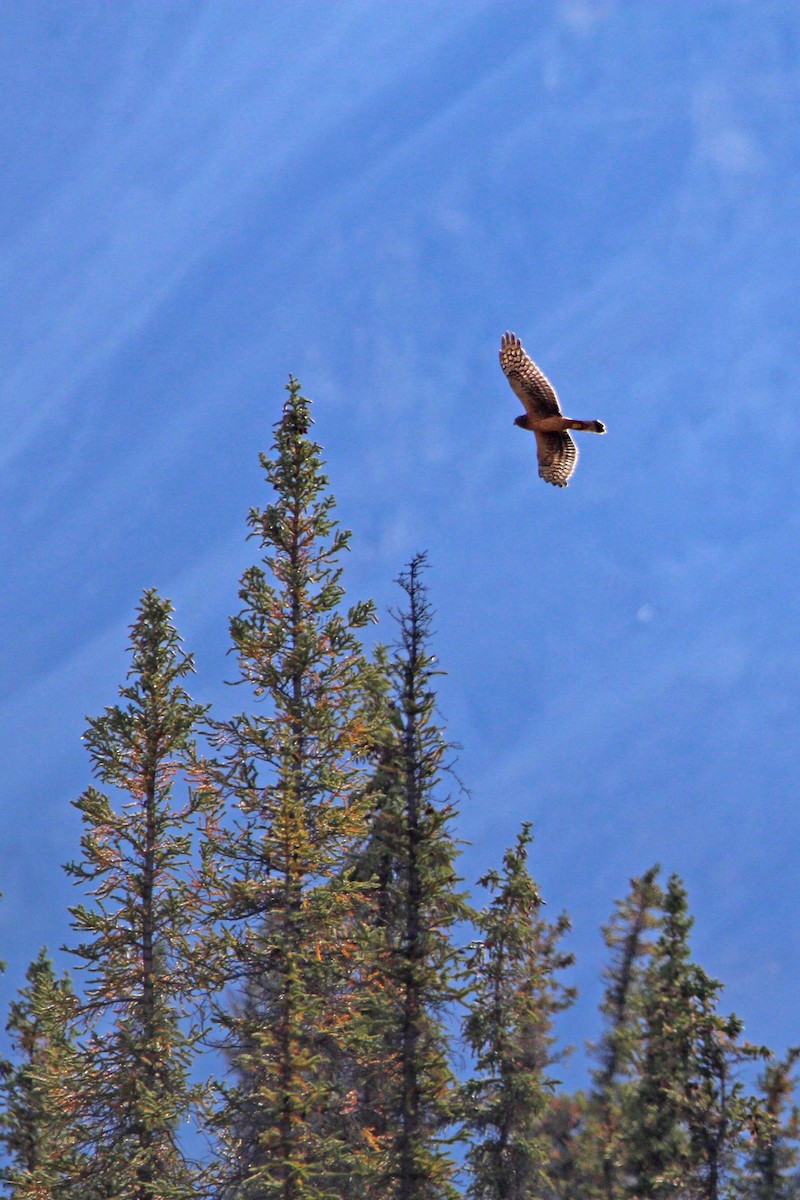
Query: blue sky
{"x": 202, "y": 198}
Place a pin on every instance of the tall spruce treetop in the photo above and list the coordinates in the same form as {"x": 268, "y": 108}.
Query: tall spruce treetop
{"x": 658, "y": 1152}
{"x": 298, "y": 650}
{"x": 516, "y": 994}
{"x": 131, "y": 1090}
{"x": 688, "y": 1115}
{"x": 628, "y": 935}
{"x": 290, "y": 774}
{"x": 416, "y": 976}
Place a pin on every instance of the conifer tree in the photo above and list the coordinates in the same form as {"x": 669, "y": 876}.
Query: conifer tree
{"x": 658, "y": 1150}
{"x": 772, "y": 1170}
{"x": 688, "y": 1114}
{"x": 516, "y": 993}
{"x": 719, "y": 1113}
{"x": 627, "y": 937}
{"x": 37, "y": 1128}
{"x": 413, "y": 974}
{"x": 571, "y": 1171}
{"x": 291, "y": 774}
{"x": 130, "y": 1089}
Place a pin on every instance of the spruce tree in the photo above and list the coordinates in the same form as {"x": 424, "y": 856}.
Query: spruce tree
{"x": 688, "y": 1114}
{"x": 129, "y": 1090}
{"x": 412, "y": 977}
{"x": 771, "y": 1172}
{"x": 288, "y": 779}
{"x": 719, "y": 1113}
{"x": 627, "y": 936}
{"x": 516, "y": 993}
{"x": 571, "y": 1172}
{"x": 37, "y": 1127}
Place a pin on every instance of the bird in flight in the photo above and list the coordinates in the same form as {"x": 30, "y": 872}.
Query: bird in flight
{"x": 556, "y": 450}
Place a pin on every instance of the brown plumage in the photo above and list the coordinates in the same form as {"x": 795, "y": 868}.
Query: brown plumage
{"x": 556, "y": 450}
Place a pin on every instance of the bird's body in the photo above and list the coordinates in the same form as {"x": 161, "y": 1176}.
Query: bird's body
{"x": 556, "y": 450}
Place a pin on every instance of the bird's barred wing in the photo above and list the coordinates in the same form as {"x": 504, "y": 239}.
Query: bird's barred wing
{"x": 533, "y": 388}
{"x": 558, "y": 457}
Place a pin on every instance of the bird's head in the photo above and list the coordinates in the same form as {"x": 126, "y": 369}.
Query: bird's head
{"x": 522, "y": 421}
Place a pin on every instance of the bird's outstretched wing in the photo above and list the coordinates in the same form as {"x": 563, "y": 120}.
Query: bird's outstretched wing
{"x": 533, "y": 388}
{"x": 558, "y": 457}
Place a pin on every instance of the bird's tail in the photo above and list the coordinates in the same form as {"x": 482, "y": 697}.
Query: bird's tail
{"x": 588, "y": 426}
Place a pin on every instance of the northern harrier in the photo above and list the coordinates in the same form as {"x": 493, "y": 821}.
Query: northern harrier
{"x": 557, "y": 452}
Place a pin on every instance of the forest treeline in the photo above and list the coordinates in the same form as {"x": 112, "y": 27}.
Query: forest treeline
{"x": 282, "y": 989}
